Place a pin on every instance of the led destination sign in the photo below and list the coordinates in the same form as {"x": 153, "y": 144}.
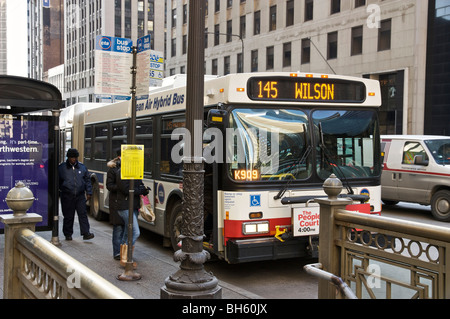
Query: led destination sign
{"x": 306, "y": 90}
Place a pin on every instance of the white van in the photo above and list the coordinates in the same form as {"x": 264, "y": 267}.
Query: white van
{"x": 416, "y": 169}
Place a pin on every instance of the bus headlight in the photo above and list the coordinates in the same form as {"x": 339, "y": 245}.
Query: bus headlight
{"x": 255, "y": 228}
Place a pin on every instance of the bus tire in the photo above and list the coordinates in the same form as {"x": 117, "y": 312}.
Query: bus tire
{"x": 440, "y": 205}
{"x": 94, "y": 202}
{"x": 176, "y": 219}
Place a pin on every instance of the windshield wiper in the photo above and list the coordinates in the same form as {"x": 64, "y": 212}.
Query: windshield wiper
{"x": 299, "y": 162}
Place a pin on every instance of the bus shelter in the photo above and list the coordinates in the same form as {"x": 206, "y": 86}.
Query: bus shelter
{"x": 29, "y": 139}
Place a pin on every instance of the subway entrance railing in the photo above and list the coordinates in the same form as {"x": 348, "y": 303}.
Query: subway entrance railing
{"x": 36, "y": 269}
{"x": 379, "y": 257}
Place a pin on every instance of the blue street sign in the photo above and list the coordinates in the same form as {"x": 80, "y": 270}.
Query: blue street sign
{"x": 112, "y": 44}
{"x": 143, "y": 44}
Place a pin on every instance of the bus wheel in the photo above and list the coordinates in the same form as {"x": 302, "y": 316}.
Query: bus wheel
{"x": 440, "y": 205}
{"x": 176, "y": 220}
{"x": 94, "y": 203}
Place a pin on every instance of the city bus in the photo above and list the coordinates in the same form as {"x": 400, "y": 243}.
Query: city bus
{"x": 270, "y": 141}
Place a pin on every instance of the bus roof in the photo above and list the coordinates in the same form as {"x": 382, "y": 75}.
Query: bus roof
{"x": 228, "y": 89}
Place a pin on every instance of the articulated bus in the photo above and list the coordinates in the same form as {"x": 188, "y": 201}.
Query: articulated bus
{"x": 270, "y": 141}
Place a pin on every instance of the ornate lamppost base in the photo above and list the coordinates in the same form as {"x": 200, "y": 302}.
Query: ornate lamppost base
{"x": 180, "y": 289}
{"x": 191, "y": 281}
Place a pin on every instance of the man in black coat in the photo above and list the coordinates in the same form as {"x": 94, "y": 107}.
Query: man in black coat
{"x": 74, "y": 187}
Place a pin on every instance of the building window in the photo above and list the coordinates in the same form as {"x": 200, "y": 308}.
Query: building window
{"x": 257, "y": 23}
{"x": 270, "y": 58}
{"x": 242, "y": 26}
{"x": 306, "y": 51}
{"x": 357, "y": 40}
{"x": 185, "y": 14}
{"x": 332, "y": 45}
{"x": 229, "y": 3}
{"x": 273, "y": 18}
{"x": 289, "y": 13}
{"x": 229, "y": 30}
{"x": 287, "y": 54}
{"x": 240, "y": 63}
{"x": 174, "y": 18}
{"x": 206, "y": 38}
{"x": 254, "y": 67}
{"x": 309, "y": 10}
{"x": 384, "y": 35}
{"x": 214, "y": 67}
{"x": 360, "y": 3}
{"x": 184, "y": 44}
{"x": 335, "y": 6}
{"x": 174, "y": 47}
{"x": 226, "y": 65}
{"x": 217, "y": 5}
{"x": 216, "y": 34}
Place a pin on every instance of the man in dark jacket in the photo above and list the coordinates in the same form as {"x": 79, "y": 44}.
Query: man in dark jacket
{"x": 74, "y": 187}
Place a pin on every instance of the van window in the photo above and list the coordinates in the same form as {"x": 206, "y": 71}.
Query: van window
{"x": 411, "y": 150}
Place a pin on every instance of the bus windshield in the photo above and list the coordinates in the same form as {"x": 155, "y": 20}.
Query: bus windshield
{"x": 276, "y": 144}
{"x": 346, "y": 144}
{"x": 267, "y": 144}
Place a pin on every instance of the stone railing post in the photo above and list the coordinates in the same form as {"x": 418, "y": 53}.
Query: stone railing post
{"x": 19, "y": 199}
{"x": 328, "y": 251}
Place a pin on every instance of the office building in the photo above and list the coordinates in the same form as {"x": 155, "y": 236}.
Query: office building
{"x": 402, "y": 43}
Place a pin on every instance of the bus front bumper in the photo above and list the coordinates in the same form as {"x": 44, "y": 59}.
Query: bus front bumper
{"x": 258, "y": 249}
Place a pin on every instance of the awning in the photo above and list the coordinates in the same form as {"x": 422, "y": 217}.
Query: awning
{"x": 24, "y": 95}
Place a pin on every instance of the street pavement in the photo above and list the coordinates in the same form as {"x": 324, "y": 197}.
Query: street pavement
{"x": 153, "y": 264}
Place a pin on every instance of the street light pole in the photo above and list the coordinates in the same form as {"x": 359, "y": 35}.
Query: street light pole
{"x": 191, "y": 280}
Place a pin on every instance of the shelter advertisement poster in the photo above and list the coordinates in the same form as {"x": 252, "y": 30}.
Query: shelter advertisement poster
{"x": 25, "y": 149}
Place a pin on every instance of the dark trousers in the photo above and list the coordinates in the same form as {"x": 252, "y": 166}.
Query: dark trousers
{"x": 69, "y": 204}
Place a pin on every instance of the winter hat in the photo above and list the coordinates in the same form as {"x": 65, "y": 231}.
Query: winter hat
{"x": 72, "y": 152}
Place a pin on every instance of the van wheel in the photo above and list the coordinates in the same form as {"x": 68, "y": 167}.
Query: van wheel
{"x": 389, "y": 202}
{"x": 176, "y": 221}
{"x": 440, "y": 205}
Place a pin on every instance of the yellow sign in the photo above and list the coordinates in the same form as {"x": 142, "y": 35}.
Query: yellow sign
{"x": 132, "y": 162}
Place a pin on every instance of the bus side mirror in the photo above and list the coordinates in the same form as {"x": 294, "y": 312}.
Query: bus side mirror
{"x": 216, "y": 118}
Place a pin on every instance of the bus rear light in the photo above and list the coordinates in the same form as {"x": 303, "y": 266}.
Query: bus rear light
{"x": 222, "y": 90}
{"x": 255, "y": 228}
{"x": 240, "y": 89}
{"x": 255, "y": 215}
{"x": 371, "y": 93}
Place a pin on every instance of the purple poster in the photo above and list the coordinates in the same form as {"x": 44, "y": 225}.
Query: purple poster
{"x": 25, "y": 145}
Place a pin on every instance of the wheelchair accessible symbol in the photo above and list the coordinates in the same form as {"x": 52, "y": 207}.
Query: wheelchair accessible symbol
{"x": 255, "y": 200}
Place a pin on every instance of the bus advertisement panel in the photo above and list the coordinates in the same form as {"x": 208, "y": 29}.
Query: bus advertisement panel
{"x": 26, "y": 146}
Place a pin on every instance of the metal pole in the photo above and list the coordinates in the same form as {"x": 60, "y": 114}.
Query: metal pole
{"x": 55, "y": 231}
{"x": 129, "y": 274}
{"x": 191, "y": 280}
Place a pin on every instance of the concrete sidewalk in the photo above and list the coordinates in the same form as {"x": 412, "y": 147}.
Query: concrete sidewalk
{"x": 154, "y": 264}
